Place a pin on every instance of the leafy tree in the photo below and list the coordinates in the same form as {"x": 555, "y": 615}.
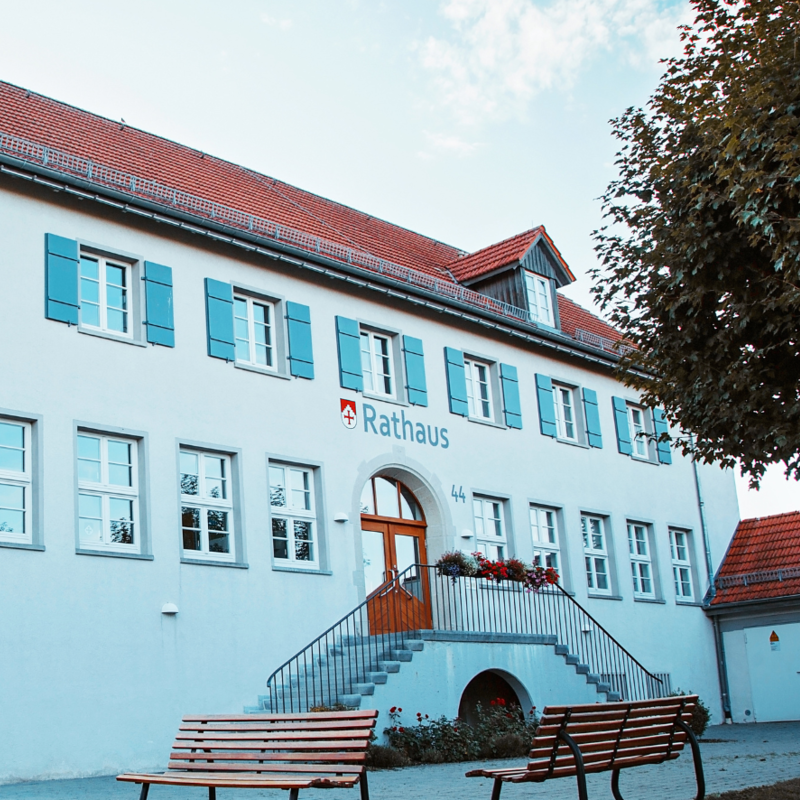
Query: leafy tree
{"x": 700, "y": 257}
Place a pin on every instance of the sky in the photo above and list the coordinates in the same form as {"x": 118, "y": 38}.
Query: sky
{"x": 465, "y": 120}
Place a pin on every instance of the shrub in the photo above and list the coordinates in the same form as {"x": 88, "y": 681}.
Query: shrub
{"x": 382, "y": 757}
{"x": 701, "y": 715}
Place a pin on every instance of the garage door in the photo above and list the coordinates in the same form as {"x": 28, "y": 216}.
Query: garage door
{"x": 773, "y": 654}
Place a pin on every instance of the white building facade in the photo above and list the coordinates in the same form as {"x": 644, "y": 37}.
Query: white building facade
{"x": 191, "y": 409}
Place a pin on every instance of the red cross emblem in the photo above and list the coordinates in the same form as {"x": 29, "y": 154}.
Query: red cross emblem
{"x": 349, "y": 416}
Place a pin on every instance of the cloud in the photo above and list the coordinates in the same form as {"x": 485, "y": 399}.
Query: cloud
{"x": 500, "y": 53}
{"x": 273, "y": 22}
{"x": 452, "y": 145}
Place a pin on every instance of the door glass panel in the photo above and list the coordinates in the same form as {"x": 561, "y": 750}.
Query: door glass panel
{"x": 407, "y": 551}
{"x": 367, "y": 501}
{"x": 386, "y": 497}
{"x": 409, "y": 508}
{"x": 374, "y": 559}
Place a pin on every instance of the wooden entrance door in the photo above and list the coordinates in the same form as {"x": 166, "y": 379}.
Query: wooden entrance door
{"x": 398, "y": 594}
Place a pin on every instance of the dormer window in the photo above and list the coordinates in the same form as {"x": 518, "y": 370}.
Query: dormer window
{"x": 540, "y": 298}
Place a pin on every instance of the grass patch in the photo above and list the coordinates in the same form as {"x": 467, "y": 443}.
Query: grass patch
{"x": 785, "y": 790}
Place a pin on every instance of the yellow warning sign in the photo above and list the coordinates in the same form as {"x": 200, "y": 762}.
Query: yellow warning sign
{"x": 773, "y": 637}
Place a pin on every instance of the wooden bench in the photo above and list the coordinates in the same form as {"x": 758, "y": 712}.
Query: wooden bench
{"x": 323, "y": 750}
{"x": 577, "y": 740}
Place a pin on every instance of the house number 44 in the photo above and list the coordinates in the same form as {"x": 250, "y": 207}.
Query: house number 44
{"x": 458, "y": 495}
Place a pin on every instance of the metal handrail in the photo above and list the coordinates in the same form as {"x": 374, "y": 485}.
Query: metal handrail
{"x": 341, "y": 661}
{"x": 94, "y": 172}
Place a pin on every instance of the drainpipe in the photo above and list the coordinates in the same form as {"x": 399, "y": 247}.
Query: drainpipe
{"x": 722, "y": 667}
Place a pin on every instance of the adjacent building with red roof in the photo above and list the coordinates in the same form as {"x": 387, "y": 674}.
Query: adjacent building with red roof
{"x": 755, "y": 605}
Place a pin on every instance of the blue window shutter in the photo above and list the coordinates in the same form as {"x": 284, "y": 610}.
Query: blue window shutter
{"x": 591, "y": 412}
{"x": 547, "y": 408}
{"x": 160, "y": 325}
{"x": 219, "y": 319}
{"x": 348, "y": 342}
{"x": 416, "y": 385}
{"x": 61, "y": 279}
{"x": 621, "y": 423}
{"x": 511, "y": 406}
{"x": 456, "y": 381}
{"x": 660, "y": 426}
{"x": 301, "y": 353}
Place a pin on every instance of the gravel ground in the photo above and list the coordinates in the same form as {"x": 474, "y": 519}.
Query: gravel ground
{"x": 734, "y": 757}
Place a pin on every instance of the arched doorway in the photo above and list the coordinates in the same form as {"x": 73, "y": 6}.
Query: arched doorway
{"x": 393, "y": 542}
{"x": 489, "y": 687}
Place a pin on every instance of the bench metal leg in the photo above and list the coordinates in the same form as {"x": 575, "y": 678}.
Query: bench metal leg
{"x": 579, "y": 769}
{"x": 698, "y": 761}
{"x": 293, "y": 794}
{"x": 145, "y": 790}
{"x": 364, "y": 786}
{"x": 212, "y": 793}
{"x": 615, "y": 785}
{"x": 498, "y": 785}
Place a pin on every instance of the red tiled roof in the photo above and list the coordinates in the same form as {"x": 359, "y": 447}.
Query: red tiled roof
{"x": 60, "y": 126}
{"x": 502, "y": 254}
{"x": 761, "y": 551}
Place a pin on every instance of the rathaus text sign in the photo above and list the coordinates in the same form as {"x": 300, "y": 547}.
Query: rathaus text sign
{"x": 393, "y": 426}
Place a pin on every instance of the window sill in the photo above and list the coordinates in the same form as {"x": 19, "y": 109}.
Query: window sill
{"x": 643, "y": 460}
{"x": 302, "y": 570}
{"x": 656, "y": 600}
{"x": 209, "y": 563}
{"x": 490, "y": 422}
{"x": 582, "y": 445}
{"x": 113, "y": 554}
{"x": 23, "y": 546}
{"x": 261, "y": 370}
{"x": 113, "y": 337}
{"x": 603, "y": 596}
{"x": 694, "y": 603}
{"x": 383, "y": 398}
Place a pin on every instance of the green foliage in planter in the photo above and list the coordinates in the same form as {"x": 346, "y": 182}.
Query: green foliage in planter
{"x": 701, "y": 715}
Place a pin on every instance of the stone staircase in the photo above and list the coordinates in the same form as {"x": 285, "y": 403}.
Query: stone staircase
{"x": 344, "y": 674}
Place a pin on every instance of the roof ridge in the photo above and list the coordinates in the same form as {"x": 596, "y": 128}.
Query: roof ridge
{"x": 536, "y": 229}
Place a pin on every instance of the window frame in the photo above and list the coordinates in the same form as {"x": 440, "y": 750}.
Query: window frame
{"x": 483, "y": 542}
{"x": 292, "y": 514}
{"x": 372, "y": 334}
{"x": 645, "y": 435}
{"x": 471, "y": 364}
{"x": 641, "y": 562}
{"x": 236, "y": 557}
{"x": 577, "y": 418}
{"x": 592, "y": 554}
{"x": 136, "y": 493}
{"x": 23, "y": 480}
{"x": 532, "y": 292}
{"x": 682, "y": 564}
{"x": 103, "y": 261}
{"x": 273, "y": 327}
{"x": 542, "y": 548}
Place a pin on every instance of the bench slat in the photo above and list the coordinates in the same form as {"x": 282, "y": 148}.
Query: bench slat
{"x": 333, "y": 725}
{"x": 254, "y": 751}
{"x": 242, "y": 780}
{"x": 294, "y": 745}
{"x": 598, "y": 728}
{"x": 543, "y": 749}
{"x": 316, "y": 715}
{"x": 285, "y": 735}
{"x": 607, "y": 735}
{"x": 251, "y": 766}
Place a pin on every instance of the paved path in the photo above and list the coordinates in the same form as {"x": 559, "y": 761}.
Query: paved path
{"x": 750, "y": 755}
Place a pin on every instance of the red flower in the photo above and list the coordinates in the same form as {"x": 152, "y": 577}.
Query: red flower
{"x": 426, "y": 716}
{"x": 492, "y": 702}
{"x": 419, "y": 715}
{"x": 392, "y": 709}
{"x": 399, "y": 710}
{"x": 402, "y": 730}
{"x": 500, "y": 701}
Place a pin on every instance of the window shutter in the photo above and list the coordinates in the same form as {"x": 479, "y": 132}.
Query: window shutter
{"x": 415, "y": 371}
{"x": 660, "y": 426}
{"x": 219, "y": 319}
{"x": 301, "y": 353}
{"x": 160, "y": 325}
{"x": 547, "y": 408}
{"x": 61, "y": 279}
{"x": 456, "y": 381}
{"x": 348, "y": 342}
{"x": 511, "y": 406}
{"x": 591, "y": 412}
{"x": 621, "y": 423}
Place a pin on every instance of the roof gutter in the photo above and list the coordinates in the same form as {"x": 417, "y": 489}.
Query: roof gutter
{"x": 319, "y": 264}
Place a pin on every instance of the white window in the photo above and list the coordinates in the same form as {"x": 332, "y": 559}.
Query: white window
{"x": 595, "y": 550}
{"x": 544, "y": 533}
{"x": 15, "y": 481}
{"x": 255, "y": 332}
{"x": 641, "y": 562}
{"x": 564, "y": 402}
{"x": 681, "y": 564}
{"x": 638, "y": 422}
{"x": 490, "y": 529}
{"x": 376, "y": 363}
{"x": 540, "y": 298}
{"x": 108, "y": 495}
{"x": 105, "y": 294}
{"x": 206, "y": 505}
{"x": 291, "y": 498}
{"x": 479, "y": 390}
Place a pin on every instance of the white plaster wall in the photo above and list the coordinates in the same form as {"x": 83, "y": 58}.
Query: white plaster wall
{"x": 433, "y": 682}
{"x": 95, "y": 679}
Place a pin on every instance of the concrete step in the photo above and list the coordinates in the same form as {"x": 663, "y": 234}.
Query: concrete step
{"x": 378, "y": 677}
{"x": 562, "y": 650}
{"x": 402, "y": 655}
{"x": 389, "y": 666}
{"x": 582, "y": 669}
{"x": 573, "y": 659}
{"x": 415, "y": 645}
{"x": 603, "y": 687}
{"x": 364, "y": 688}
{"x": 593, "y": 677}
{"x": 613, "y": 697}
